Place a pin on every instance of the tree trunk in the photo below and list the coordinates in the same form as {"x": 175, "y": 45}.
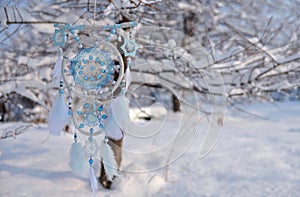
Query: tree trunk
{"x": 176, "y": 104}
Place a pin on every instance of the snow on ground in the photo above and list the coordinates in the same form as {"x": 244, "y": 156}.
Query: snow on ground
{"x": 253, "y": 157}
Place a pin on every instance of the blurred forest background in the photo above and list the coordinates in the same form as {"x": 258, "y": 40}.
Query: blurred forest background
{"x": 254, "y": 44}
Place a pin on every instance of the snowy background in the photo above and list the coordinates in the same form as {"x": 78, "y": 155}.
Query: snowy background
{"x": 253, "y": 157}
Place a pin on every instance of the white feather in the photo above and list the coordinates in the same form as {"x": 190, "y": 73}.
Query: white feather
{"x": 111, "y": 127}
{"x": 93, "y": 181}
{"x": 120, "y": 112}
{"x": 78, "y": 162}
{"x": 109, "y": 162}
{"x": 128, "y": 78}
{"x": 57, "y": 71}
{"x": 58, "y": 115}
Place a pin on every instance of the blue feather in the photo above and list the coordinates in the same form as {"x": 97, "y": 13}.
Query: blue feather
{"x": 78, "y": 162}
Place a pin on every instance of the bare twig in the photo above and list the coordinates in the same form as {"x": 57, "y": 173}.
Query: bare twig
{"x": 13, "y": 132}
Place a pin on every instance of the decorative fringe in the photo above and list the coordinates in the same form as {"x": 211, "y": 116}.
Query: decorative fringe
{"x": 128, "y": 78}
{"x": 121, "y": 104}
{"x": 111, "y": 127}
{"x": 93, "y": 180}
{"x": 57, "y": 71}
{"x": 109, "y": 162}
{"x": 58, "y": 115}
{"x": 78, "y": 160}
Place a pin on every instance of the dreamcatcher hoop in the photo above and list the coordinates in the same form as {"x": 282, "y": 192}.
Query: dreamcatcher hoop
{"x": 90, "y": 117}
{"x": 89, "y": 68}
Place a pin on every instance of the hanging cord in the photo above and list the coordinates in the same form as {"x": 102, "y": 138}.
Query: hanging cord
{"x": 95, "y": 4}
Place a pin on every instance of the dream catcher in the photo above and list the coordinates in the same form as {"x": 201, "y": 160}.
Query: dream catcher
{"x": 93, "y": 78}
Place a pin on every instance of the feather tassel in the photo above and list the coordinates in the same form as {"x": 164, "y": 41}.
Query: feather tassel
{"x": 58, "y": 115}
{"x": 109, "y": 162}
{"x": 77, "y": 159}
{"x": 112, "y": 128}
{"x": 57, "y": 71}
{"x": 93, "y": 180}
{"x": 121, "y": 104}
{"x": 128, "y": 78}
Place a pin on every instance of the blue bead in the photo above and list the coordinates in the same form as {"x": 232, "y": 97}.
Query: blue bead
{"x": 102, "y": 63}
{"x": 99, "y": 77}
{"x": 86, "y": 105}
{"x": 91, "y": 130}
{"x": 97, "y": 59}
{"x": 113, "y": 31}
{"x": 85, "y": 78}
{"x": 92, "y": 78}
{"x": 91, "y": 161}
{"x": 100, "y": 108}
{"x": 101, "y": 126}
{"x": 76, "y": 38}
{"x": 70, "y": 112}
{"x": 61, "y": 91}
{"x": 80, "y": 72}
{"x": 91, "y": 138}
{"x": 103, "y": 70}
{"x": 106, "y": 27}
{"x": 81, "y": 126}
{"x": 84, "y": 61}
{"x": 91, "y": 57}
{"x": 79, "y": 112}
{"x": 104, "y": 116}
{"x": 67, "y": 26}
